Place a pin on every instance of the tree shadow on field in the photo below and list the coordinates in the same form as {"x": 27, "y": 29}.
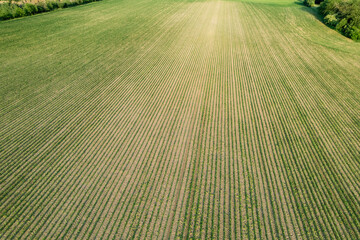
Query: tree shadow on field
{"x": 312, "y": 10}
{"x": 299, "y": 3}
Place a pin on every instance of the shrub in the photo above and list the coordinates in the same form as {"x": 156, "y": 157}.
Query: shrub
{"x": 17, "y": 11}
{"x": 331, "y": 20}
{"x": 55, "y": 5}
{"x": 30, "y": 9}
{"x": 61, "y": 4}
{"x": 52, "y": 5}
{"x": 70, "y": 3}
{"x": 341, "y": 24}
{"x": 309, "y": 3}
{"x": 42, "y": 7}
{"x": 329, "y": 7}
{"x": 49, "y": 6}
{"x": 5, "y": 12}
{"x": 354, "y": 33}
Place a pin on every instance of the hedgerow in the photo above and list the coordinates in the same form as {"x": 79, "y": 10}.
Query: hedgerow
{"x": 15, "y": 10}
{"x": 343, "y": 15}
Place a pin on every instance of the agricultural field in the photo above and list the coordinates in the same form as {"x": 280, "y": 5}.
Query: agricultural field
{"x": 163, "y": 119}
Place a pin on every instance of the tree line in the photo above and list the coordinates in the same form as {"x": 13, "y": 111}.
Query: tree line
{"x": 342, "y": 15}
{"x": 15, "y": 9}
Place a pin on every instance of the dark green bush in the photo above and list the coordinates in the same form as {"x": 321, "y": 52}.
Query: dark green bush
{"x": 49, "y": 6}
{"x": 70, "y": 3}
{"x": 354, "y": 33}
{"x": 17, "y": 11}
{"x": 5, "y": 12}
{"x": 42, "y": 7}
{"x": 56, "y": 5}
{"x": 52, "y": 5}
{"x": 30, "y": 9}
{"x": 342, "y": 24}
